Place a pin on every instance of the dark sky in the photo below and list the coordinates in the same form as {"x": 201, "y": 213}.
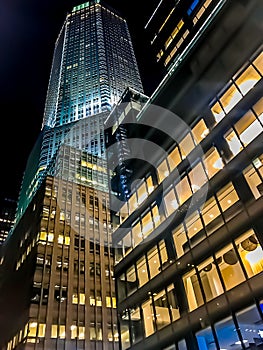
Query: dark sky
{"x": 28, "y": 30}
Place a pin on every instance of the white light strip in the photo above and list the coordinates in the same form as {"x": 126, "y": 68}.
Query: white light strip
{"x": 153, "y": 14}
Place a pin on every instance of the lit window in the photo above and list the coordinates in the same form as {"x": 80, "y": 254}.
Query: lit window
{"x": 248, "y": 127}
{"x": 212, "y": 162}
{"x": 200, "y": 131}
{"x": 163, "y": 171}
{"x": 174, "y": 158}
{"x": 247, "y": 80}
{"x": 171, "y": 203}
{"x": 234, "y": 144}
{"x": 258, "y": 62}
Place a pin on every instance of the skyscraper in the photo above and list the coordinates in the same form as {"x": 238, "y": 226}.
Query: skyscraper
{"x": 57, "y": 289}
{"x": 7, "y": 217}
{"x": 188, "y": 239}
{"x": 93, "y": 63}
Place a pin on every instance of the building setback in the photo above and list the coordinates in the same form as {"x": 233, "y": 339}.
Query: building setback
{"x": 188, "y": 220}
{"x": 57, "y": 289}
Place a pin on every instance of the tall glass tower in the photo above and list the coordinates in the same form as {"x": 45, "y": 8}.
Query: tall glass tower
{"x": 57, "y": 287}
{"x": 92, "y": 65}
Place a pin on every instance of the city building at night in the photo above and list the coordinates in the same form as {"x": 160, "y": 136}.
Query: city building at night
{"x": 57, "y": 289}
{"x": 7, "y": 217}
{"x": 93, "y": 63}
{"x": 187, "y": 211}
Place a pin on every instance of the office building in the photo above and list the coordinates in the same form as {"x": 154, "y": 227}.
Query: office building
{"x": 93, "y": 63}
{"x": 57, "y": 289}
{"x": 7, "y": 217}
{"x": 188, "y": 239}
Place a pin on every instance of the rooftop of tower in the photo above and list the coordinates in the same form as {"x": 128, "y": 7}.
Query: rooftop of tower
{"x": 93, "y": 2}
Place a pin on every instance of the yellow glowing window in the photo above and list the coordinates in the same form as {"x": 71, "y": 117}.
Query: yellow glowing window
{"x": 60, "y": 239}
{"x": 200, "y": 12}
{"x": 168, "y": 59}
{"x": 258, "y": 108}
{"x": 75, "y": 299}
{"x": 247, "y": 80}
{"x": 193, "y": 225}
{"x": 74, "y": 331}
{"x": 98, "y": 300}
{"x": 67, "y": 240}
{"x": 168, "y": 42}
{"x": 230, "y": 98}
{"x": 92, "y": 301}
{"x": 62, "y": 332}
{"x": 258, "y": 62}
{"x": 137, "y": 234}
{"x": 207, "y": 3}
{"x": 147, "y": 225}
{"x": 210, "y": 211}
{"x": 156, "y": 216}
{"x": 163, "y": 171}
{"x": 197, "y": 177}
{"x": 218, "y": 112}
{"x": 174, "y": 33}
{"x": 213, "y": 162}
{"x": 108, "y": 301}
{"x": 227, "y": 196}
{"x": 186, "y": 145}
{"x": 142, "y": 193}
{"x": 133, "y": 203}
{"x": 81, "y": 332}
{"x": 174, "y": 158}
{"x": 251, "y": 253}
{"x": 248, "y": 127}
{"x": 171, "y": 203}
{"x": 159, "y": 55}
{"x": 183, "y": 190}
{"x": 113, "y": 300}
{"x": 82, "y": 299}
{"x": 150, "y": 186}
{"x": 200, "y": 131}
{"x": 142, "y": 272}
{"x": 32, "y": 329}
{"x": 233, "y": 142}
{"x": 180, "y": 239}
{"x": 43, "y": 236}
{"x": 41, "y": 330}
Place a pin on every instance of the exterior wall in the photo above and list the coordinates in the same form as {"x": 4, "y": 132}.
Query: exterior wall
{"x": 188, "y": 242}
{"x": 66, "y": 268}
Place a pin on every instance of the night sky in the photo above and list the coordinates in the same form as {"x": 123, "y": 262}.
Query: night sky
{"x": 28, "y": 31}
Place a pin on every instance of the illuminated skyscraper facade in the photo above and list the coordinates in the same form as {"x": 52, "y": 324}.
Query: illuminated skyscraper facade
{"x": 93, "y": 63}
{"x": 57, "y": 289}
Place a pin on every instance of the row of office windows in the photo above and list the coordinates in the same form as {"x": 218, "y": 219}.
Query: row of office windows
{"x": 225, "y": 269}
{"x": 38, "y": 330}
{"x": 242, "y": 329}
{"x": 238, "y": 137}
{"x": 181, "y": 24}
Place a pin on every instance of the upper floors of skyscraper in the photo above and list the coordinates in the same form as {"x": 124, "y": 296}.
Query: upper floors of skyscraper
{"x": 93, "y": 63}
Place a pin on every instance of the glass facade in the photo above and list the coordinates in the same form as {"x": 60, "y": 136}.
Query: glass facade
{"x": 188, "y": 241}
